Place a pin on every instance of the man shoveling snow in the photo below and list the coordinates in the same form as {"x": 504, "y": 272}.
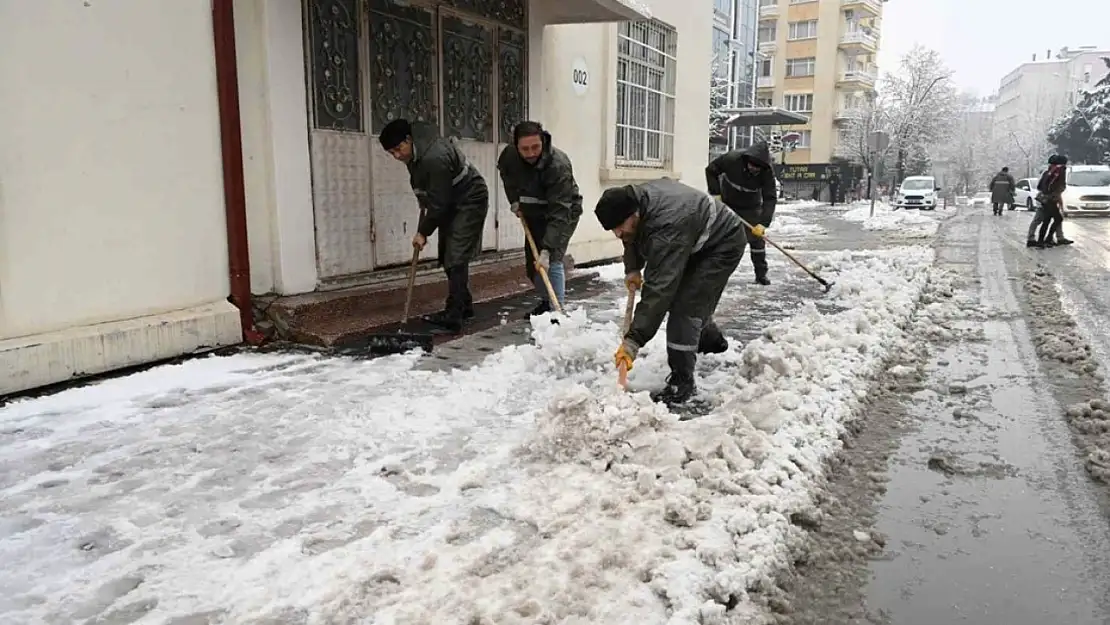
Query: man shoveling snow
{"x": 690, "y": 244}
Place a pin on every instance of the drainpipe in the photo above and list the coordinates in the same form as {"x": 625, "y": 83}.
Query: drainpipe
{"x": 231, "y": 147}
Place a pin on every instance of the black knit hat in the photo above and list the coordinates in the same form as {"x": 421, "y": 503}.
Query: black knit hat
{"x": 1057, "y": 159}
{"x": 616, "y": 205}
{"x": 395, "y": 133}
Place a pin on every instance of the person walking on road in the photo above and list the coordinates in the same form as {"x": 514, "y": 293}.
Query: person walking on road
{"x": 745, "y": 181}
{"x": 687, "y": 244}
{"x": 539, "y": 182}
{"x": 454, "y": 200}
{"x": 1049, "y": 216}
{"x": 1002, "y": 190}
{"x": 834, "y": 188}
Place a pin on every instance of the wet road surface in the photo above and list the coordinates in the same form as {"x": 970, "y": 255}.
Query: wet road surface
{"x": 1082, "y": 271}
{"x": 989, "y": 515}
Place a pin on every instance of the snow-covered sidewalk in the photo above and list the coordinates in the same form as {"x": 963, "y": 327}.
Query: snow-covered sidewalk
{"x": 526, "y": 489}
{"x": 909, "y": 223}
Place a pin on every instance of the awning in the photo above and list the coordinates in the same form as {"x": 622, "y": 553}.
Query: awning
{"x": 765, "y": 117}
{"x": 591, "y": 11}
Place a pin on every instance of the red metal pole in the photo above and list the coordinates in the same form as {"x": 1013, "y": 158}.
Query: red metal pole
{"x": 231, "y": 147}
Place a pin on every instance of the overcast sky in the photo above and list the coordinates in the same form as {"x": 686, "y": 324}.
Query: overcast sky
{"x": 983, "y": 40}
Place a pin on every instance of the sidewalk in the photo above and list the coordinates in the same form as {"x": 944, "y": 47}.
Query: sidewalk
{"x": 498, "y": 479}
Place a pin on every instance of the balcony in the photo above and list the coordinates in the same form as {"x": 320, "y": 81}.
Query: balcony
{"x": 765, "y": 82}
{"x": 858, "y": 40}
{"x": 767, "y": 47}
{"x": 861, "y": 79}
{"x": 874, "y": 7}
{"x": 846, "y": 113}
{"x": 768, "y": 11}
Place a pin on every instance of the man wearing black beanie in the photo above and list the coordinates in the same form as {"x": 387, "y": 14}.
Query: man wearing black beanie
{"x": 687, "y": 244}
{"x": 453, "y": 199}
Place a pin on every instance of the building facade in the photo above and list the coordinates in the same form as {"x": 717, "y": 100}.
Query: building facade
{"x": 119, "y": 236}
{"x": 1037, "y": 93}
{"x": 818, "y": 58}
{"x": 734, "y": 64}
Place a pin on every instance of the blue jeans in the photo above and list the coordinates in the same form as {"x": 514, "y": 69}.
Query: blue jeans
{"x": 558, "y": 276}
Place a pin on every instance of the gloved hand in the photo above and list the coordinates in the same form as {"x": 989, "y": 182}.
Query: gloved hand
{"x": 515, "y": 208}
{"x": 545, "y": 260}
{"x": 625, "y": 355}
{"x": 717, "y": 197}
{"x": 634, "y": 281}
{"x": 759, "y": 230}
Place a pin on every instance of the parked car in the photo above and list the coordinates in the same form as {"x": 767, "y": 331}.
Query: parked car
{"x": 1088, "y": 191}
{"x": 982, "y": 198}
{"x": 1025, "y": 193}
{"x": 918, "y": 192}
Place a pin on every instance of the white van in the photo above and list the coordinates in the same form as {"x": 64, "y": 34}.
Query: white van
{"x": 918, "y": 192}
{"x": 1088, "y": 191}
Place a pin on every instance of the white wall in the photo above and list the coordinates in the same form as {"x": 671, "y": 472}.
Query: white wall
{"x": 111, "y": 201}
{"x": 584, "y": 126}
{"x": 277, "y": 173}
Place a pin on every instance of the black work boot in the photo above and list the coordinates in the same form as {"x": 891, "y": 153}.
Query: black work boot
{"x": 763, "y": 279}
{"x": 679, "y": 390}
{"x": 1063, "y": 241}
{"x": 1031, "y": 243}
{"x": 450, "y": 322}
{"x": 542, "y": 308}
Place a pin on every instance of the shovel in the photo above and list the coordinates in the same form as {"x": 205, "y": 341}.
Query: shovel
{"x": 622, "y": 371}
{"x": 401, "y": 341}
{"x": 828, "y": 285}
{"x": 555, "y": 305}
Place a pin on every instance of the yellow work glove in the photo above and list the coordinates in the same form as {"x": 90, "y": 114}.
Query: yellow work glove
{"x": 759, "y": 230}
{"x": 626, "y": 353}
{"x": 717, "y": 197}
{"x": 634, "y": 281}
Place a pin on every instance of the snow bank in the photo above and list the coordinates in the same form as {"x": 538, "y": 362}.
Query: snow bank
{"x": 912, "y": 223}
{"x": 626, "y": 515}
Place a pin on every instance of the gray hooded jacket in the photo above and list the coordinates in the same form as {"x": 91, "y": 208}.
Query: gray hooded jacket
{"x": 676, "y": 222}
{"x": 546, "y": 192}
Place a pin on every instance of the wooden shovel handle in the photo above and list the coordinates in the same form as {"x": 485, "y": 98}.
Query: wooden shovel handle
{"x": 629, "y": 308}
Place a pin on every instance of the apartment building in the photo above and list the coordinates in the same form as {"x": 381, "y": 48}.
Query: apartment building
{"x": 1036, "y": 93}
{"x": 734, "y": 63}
{"x": 249, "y": 161}
{"x": 817, "y": 58}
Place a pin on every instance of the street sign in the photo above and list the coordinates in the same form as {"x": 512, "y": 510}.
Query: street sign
{"x": 878, "y": 141}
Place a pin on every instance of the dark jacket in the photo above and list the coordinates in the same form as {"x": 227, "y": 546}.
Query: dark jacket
{"x": 752, "y": 195}
{"x": 452, "y": 194}
{"x": 547, "y": 193}
{"x": 1002, "y": 188}
{"x": 1053, "y": 182}
{"x": 676, "y": 222}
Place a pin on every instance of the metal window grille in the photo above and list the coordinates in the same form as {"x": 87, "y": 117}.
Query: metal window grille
{"x": 646, "y": 62}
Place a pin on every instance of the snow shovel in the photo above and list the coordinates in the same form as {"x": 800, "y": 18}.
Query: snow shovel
{"x": 555, "y": 305}
{"x": 828, "y": 285}
{"x": 402, "y": 341}
{"x": 622, "y": 372}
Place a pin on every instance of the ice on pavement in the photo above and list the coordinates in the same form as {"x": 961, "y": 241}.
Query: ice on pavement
{"x": 911, "y": 223}
{"x": 526, "y": 489}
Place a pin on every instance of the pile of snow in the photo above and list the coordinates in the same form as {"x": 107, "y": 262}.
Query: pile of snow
{"x": 791, "y": 226}
{"x": 526, "y": 489}
{"x": 628, "y": 515}
{"x": 911, "y": 223}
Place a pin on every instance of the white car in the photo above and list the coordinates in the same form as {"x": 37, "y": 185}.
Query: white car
{"x": 1088, "y": 191}
{"x": 1025, "y": 193}
{"x": 918, "y": 192}
{"x": 982, "y": 198}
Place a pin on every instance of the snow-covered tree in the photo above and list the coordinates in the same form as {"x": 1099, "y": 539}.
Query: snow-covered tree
{"x": 719, "y": 88}
{"x": 971, "y": 155}
{"x": 869, "y": 115}
{"x": 923, "y": 106}
{"x": 1084, "y": 134}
